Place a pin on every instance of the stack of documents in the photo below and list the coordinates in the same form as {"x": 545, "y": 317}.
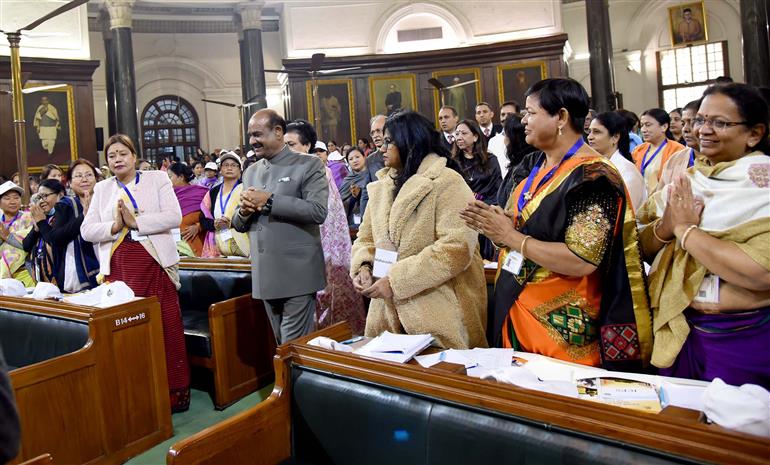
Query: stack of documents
{"x": 398, "y": 348}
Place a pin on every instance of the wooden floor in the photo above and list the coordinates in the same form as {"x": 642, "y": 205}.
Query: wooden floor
{"x": 200, "y": 416}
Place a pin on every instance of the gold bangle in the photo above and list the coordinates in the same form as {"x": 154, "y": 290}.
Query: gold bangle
{"x": 523, "y": 243}
{"x": 655, "y": 232}
{"x": 687, "y": 233}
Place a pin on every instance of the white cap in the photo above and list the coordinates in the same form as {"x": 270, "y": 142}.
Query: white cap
{"x": 320, "y": 145}
{"x": 336, "y": 156}
{"x": 12, "y": 287}
{"x": 231, "y": 155}
{"x": 211, "y": 166}
{"x": 10, "y": 186}
{"x": 46, "y": 291}
{"x": 114, "y": 293}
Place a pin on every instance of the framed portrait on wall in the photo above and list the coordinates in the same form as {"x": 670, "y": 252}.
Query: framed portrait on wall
{"x": 462, "y": 97}
{"x": 687, "y": 23}
{"x": 514, "y": 79}
{"x": 51, "y": 133}
{"x": 336, "y": 109}
{"x": 389, "y": 94}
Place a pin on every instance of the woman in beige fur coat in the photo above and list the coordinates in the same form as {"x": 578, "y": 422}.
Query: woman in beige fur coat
{"x": 436, "y": 284}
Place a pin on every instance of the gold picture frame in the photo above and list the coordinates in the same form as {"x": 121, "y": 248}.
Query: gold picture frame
{"x": 42, "y": 149}
{"x": 392, "y": 98}
{"x": 467, "y": 109}
{"x": 686, "y": 30}
{"x": 514, "y": 79}
{"x": 335, "y": 99}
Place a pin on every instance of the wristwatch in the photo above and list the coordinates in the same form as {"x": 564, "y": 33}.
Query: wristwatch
{"x": 268, "y": 206}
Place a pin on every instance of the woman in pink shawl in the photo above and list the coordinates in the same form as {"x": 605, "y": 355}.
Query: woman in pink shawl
{"x": 339, "y": 301}
{"x": 189, "y": 197}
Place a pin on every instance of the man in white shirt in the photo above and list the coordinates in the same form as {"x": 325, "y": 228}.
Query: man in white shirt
{"x": 496, "y": 144}
{"x": 447, "y": 121}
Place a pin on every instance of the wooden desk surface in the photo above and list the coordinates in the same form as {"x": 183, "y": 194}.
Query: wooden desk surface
{"x": 676, "y": 431}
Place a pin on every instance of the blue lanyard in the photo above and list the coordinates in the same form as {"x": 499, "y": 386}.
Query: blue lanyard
{"x": 221, "y": 194}
{"x": 13, "y": 220}
{"x": 526, "y": 193}
{"x": 130, "y": 197}
{"x": 40, "y": 242}
{"x": 692, "y": 158}
{"x": 645, "y": 161}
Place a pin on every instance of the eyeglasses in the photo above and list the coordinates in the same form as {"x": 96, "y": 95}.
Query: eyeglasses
{"x": 716, "y": 124}
{"x": 42, "y": 195}
{"x": 230, "y": 165}
{"x": 84, "y": 176}
{"x": 385, "y": 143}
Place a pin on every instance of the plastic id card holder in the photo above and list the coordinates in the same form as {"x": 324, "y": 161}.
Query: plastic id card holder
{"x": 383, "y": 260}
{"x": 513, "y": 262}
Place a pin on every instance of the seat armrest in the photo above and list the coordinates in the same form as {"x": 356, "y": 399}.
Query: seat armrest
{"x": 260, "y": 436}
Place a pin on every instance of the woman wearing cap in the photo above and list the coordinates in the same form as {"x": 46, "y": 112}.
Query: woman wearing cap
{"x": 37, "y": 244}
{"x": 217, "y": 208}
{"x": 131, "y": 218}
{"x": 14, "y": 227}
{"x": 336, "y": 164}
{"x": 339, "y": 300}
{"x": 190, "y": 197}
{"x": 210, "y": 175}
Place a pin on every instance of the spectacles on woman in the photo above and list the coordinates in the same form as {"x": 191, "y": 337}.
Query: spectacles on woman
{"x": 716, "y": 124}
{"x": 385, "y": 143}
{"x": 84, "y": 176}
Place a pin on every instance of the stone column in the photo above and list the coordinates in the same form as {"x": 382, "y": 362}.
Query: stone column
{"x": 756, "y": 50}
{"x": 125, "y": 83}
{"x": 109, "y": 74}
{"x": 600, "y": 47}
{"x": 252, "y": 63}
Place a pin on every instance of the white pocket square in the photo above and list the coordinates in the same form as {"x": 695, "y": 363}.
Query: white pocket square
{"x": 286, "y": 179}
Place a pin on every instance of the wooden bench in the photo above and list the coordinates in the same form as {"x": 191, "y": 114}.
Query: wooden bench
{"x": 332, "y": 407}
{"x": 103, "y": 402}
{"x": 226, "y": 331}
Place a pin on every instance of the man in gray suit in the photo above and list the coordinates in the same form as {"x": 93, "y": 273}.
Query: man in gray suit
{"x": 282, "y": 204}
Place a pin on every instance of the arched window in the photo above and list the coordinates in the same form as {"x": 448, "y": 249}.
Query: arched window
{"x": 169, "y": 127}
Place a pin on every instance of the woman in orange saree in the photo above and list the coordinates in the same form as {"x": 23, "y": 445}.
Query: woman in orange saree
{"x": 570, "y": 283}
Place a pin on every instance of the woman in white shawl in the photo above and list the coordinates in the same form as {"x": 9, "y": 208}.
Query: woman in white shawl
{"x": 709, "y": 235}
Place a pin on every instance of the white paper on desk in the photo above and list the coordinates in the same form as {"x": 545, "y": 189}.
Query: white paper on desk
{"x": 329, "y": 343}
{"x": 547, "y": 370}
{"x": 398, "y": 348}
{"x": 520, "y": 376}
{"x": 682, "y": 395}
{"x": 450, "y": 356}
{"x": 491, "y": 358}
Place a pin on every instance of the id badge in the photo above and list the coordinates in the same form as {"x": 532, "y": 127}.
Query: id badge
{"x": 176, "y": 233}
{"x": 708, "y": 292}
{"x": 135, "y": 236}
{"x": 225, "y": 235}
{"x": 383, "y": 260}
{"x": 513, "y": 262}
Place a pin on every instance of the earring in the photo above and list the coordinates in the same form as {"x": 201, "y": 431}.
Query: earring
{"x": 560, "y": 132}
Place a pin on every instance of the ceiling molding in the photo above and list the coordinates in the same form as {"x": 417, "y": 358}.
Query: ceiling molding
{"x": 176, "y": 26}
